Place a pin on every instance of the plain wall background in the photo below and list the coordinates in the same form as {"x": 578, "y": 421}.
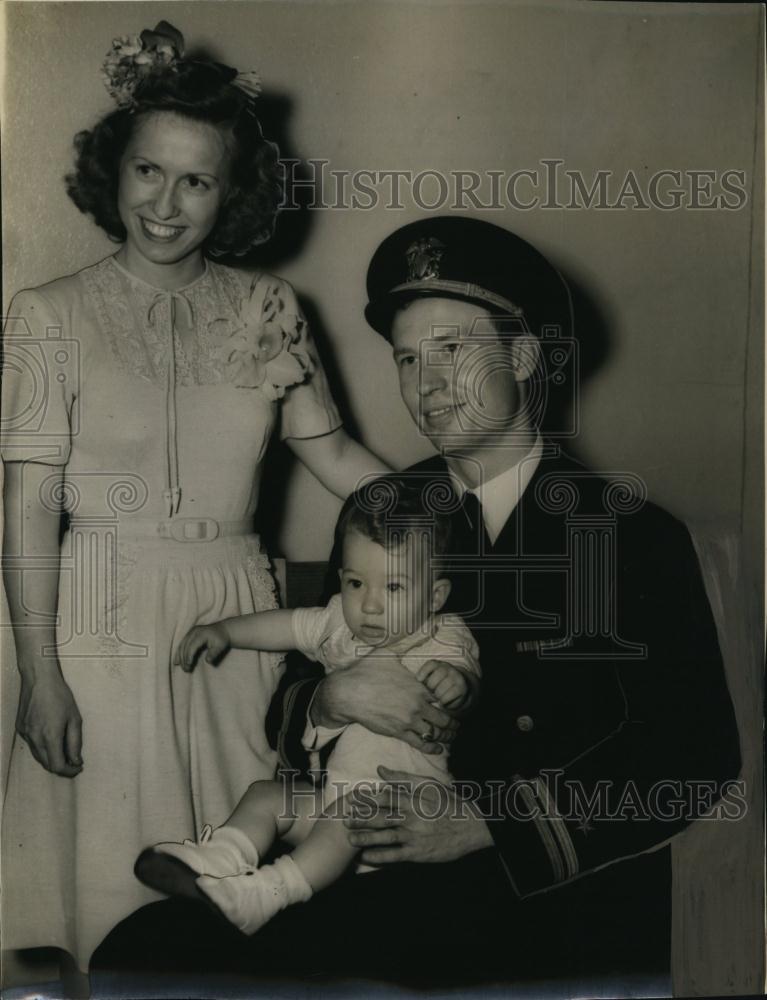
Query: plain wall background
{"x": 672, "y": 301}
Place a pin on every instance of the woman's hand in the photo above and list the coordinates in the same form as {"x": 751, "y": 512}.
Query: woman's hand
{"x": 49, "y": 721}
{"x": 382, "y": 695}
{"x": 414, "y": 818}
{"x": 214, "y": 638}
{"x": 47, "y": 718}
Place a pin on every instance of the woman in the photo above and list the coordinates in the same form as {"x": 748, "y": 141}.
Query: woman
{"x": 160, "y": 395}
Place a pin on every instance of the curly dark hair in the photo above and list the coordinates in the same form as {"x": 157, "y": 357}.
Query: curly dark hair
{"x": 201, "y": 91}
{"x": 390, "y": 508}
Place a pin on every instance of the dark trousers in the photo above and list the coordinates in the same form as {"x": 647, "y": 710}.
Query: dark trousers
{"x": 417, "y": 925}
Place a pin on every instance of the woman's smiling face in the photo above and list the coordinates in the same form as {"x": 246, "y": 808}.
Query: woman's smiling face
{"x": 173, "y": 181}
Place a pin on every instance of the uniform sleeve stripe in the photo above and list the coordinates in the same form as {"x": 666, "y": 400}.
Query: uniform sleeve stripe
{"x": 561, "y": 832}
{"x": 544, "y": 831}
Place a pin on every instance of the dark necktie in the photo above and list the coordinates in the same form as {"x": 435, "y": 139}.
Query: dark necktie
{"x": 475, "y": 538}
{"x": 469, "y": 546}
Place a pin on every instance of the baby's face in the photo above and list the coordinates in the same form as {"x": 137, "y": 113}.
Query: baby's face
{"x": 385, "y": 593}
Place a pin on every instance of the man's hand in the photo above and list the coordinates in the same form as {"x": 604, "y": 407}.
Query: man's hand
{"x": 449, "y": 684}
{"x": 382, "y": 695}
{"x": 414, "y": 818}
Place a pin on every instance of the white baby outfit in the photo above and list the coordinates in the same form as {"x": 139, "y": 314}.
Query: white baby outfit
{"x": 322, "y": 635}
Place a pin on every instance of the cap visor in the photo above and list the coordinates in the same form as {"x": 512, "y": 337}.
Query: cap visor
{"x": 380, "y": 312}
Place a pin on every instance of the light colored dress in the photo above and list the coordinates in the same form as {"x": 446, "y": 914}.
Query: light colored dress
{"x": 159, "y": 405}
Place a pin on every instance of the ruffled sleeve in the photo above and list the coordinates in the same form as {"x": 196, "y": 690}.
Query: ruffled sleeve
{"x": 308, "y": 409}
{"x": 40, "y": 370}
{"x": 313, "y": 626}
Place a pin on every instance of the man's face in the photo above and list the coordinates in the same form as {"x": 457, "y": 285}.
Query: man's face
{"x": 456, "y": 376}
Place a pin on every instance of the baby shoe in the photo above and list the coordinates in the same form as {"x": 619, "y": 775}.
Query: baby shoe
{"x": 218, "y": 853}
{"x": 251, "y": 899}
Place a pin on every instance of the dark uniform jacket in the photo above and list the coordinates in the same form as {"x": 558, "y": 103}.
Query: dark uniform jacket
{"x": 604, "y": 723}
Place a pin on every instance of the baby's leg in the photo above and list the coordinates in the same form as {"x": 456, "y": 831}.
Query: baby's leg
{"x": 251, "y": 899}
{"x": 262, "y": 814}
{"x": 271, "y": 810}
{"x": 326, "y": 853}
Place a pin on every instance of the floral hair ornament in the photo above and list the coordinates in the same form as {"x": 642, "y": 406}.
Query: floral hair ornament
{"x": 133, "y": 58}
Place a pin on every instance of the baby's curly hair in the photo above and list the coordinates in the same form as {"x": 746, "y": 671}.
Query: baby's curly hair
{"x": 395, "y": 506}
{"x": 202, "y": 92}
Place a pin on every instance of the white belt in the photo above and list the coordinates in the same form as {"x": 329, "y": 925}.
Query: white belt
{"x": 179, "y": 529}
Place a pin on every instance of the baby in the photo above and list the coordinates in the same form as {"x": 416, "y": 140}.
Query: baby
{"x": 389, "y": 603}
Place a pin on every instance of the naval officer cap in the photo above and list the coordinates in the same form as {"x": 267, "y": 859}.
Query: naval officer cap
{"x": 463, "y": 258}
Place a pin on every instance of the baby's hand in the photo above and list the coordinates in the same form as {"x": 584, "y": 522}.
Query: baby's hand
{"x": 214, "y": 638}
{"x": 447, "y": 683}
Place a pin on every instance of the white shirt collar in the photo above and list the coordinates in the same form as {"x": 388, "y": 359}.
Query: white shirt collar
{"x": 501, "y": 494}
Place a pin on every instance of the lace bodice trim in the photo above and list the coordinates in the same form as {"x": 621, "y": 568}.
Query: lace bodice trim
{"x": 136, "y": 318}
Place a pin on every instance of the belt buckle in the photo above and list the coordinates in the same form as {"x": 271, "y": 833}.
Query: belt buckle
{"x": 194, "y": 529}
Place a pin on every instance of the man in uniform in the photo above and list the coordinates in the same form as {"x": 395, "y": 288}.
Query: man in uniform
{"x": 604, "y": 724}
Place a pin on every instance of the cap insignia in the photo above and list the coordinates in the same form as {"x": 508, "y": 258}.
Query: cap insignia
{"x": 423, "y": 258}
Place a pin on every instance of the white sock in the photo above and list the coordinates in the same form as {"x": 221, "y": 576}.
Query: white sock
{"x": 297, "y": 889}
{"x": 251, "y": 900}
{"x": 231, "y": 836}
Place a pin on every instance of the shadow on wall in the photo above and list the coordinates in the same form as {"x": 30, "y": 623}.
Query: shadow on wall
{"x": 591, "y": 333}
{"x": 293, "y": 225}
